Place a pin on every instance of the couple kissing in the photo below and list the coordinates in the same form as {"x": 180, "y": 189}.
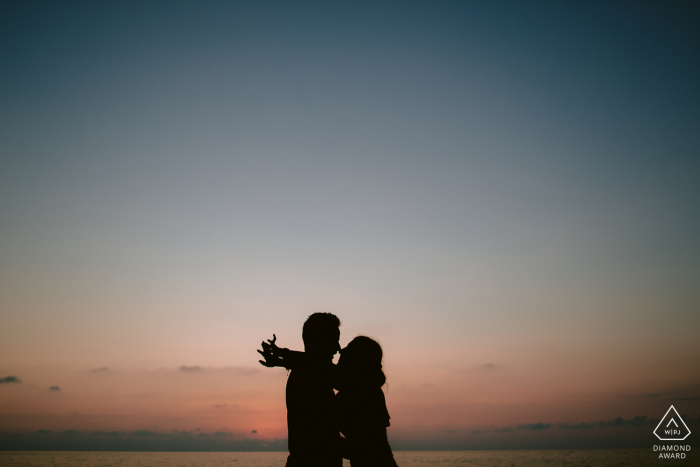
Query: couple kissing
{"x": 316, "y": 415}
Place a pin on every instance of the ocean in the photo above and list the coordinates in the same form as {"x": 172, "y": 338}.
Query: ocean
{"x": 534, "y": 458}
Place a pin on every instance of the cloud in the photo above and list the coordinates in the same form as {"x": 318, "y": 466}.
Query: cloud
{"x": 9, "y": 379}
{"x": 255, "y": 432}
{"x": 579, "y": 426}
{"x": 488, "y": 368}
{"x": 535, "y": 426}
{"x": 54, "y": 388}
{"x": 190, "y": 369}
{"x": 525, "y": 426}
{"x": 619, "y": 421}
{"x": 639, "y": 420}
{"x": 220, "y": 406}
{"x": 142, "y": 433}
{"x": 99, "y": 370}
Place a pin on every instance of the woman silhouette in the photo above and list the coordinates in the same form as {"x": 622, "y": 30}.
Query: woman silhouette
{"x": 362, "y": 414}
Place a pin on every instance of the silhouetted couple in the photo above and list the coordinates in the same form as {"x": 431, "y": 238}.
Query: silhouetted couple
{"x": 316, "y": 415}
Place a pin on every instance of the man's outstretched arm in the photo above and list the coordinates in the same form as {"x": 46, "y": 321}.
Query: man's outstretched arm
{"x": 290, "y": 359}
{"x": 275, "y": 356}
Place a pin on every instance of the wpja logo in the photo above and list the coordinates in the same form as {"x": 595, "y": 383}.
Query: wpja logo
{"x": 672, "y": 428}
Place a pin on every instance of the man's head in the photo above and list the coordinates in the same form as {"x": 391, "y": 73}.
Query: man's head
{"x": 321, "y": 334}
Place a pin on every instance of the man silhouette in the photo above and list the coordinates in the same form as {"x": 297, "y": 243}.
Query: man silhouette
{"x": 314, "y": 438}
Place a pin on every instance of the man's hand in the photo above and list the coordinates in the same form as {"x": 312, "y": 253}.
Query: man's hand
{"x": 271, "y": 353}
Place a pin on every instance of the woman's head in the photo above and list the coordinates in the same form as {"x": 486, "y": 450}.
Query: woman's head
{"x": 361, "y": 363}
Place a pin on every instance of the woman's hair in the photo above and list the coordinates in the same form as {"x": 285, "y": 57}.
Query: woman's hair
{"x": 365, "y": 362}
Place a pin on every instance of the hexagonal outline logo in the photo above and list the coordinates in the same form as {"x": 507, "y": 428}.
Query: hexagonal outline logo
{"x": 672, "y": 418}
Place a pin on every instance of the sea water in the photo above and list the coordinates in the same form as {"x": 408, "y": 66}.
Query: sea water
{"x": 535, "y": 458}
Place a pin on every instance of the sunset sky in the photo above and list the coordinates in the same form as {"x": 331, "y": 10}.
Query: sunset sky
{"x": 507, "y": 197}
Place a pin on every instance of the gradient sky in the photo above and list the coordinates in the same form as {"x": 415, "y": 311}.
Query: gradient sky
{"x": 506, "y": 197}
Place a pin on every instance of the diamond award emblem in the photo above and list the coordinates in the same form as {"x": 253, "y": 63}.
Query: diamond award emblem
{"x": 672, "y": 427}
